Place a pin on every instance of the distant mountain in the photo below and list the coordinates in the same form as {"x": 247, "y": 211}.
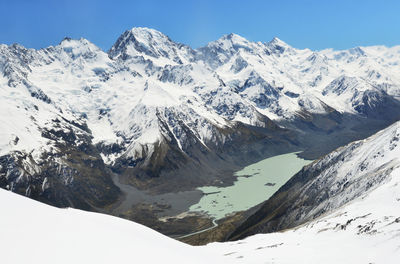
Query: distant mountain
{"x": 165, "y": 117}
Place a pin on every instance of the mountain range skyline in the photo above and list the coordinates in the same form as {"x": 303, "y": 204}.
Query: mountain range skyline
{"x": 224, "y": 36}
{"x": 313, "y": 24}
{"x": 151, "y": 106}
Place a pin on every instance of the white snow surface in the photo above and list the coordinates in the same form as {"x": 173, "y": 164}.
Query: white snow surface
{"x": 146, "y": 77}
{"x": 363, "y": 230}
{"x": 33, "y": 232}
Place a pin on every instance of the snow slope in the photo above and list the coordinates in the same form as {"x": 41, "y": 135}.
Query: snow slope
{"x": 348, "y": 212}
{"x": 37, "y": 233}
{"x": 361, "y": 228}
{"x": 366, "y": 230}
{"x": 146, "y": 77}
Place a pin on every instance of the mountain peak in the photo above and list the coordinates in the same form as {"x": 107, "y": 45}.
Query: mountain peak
{"x": 277, "y": 45}
{"x": 146, "y": 32}
{"x": 79, "y": 47}
{"x": 141, "y": 41}
{"x": 229, "y": 42}
{"x": 146, "y": 35}
{"x": 234, "y": 38}
{"x": 68, "y": 41}
{"x": 358, "y": 51}
{"x": 278, "y": 41}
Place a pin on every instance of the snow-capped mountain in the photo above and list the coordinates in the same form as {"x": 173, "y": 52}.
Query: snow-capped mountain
{"x": 351, "y": 217}
{"x": 167, "y": 117}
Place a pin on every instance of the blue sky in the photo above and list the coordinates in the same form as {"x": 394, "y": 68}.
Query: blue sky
{"x": 312, "y": 24}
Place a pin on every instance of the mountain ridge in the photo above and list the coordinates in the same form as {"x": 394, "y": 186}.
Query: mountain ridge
{"x": 167, "y": 118}
{"x": 329, "y": 184}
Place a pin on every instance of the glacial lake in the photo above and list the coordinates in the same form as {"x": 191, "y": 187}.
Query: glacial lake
{"x": 255, "y": 184}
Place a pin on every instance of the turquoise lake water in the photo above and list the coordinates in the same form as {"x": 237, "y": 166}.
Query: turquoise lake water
{"x": 255, "y": 184}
